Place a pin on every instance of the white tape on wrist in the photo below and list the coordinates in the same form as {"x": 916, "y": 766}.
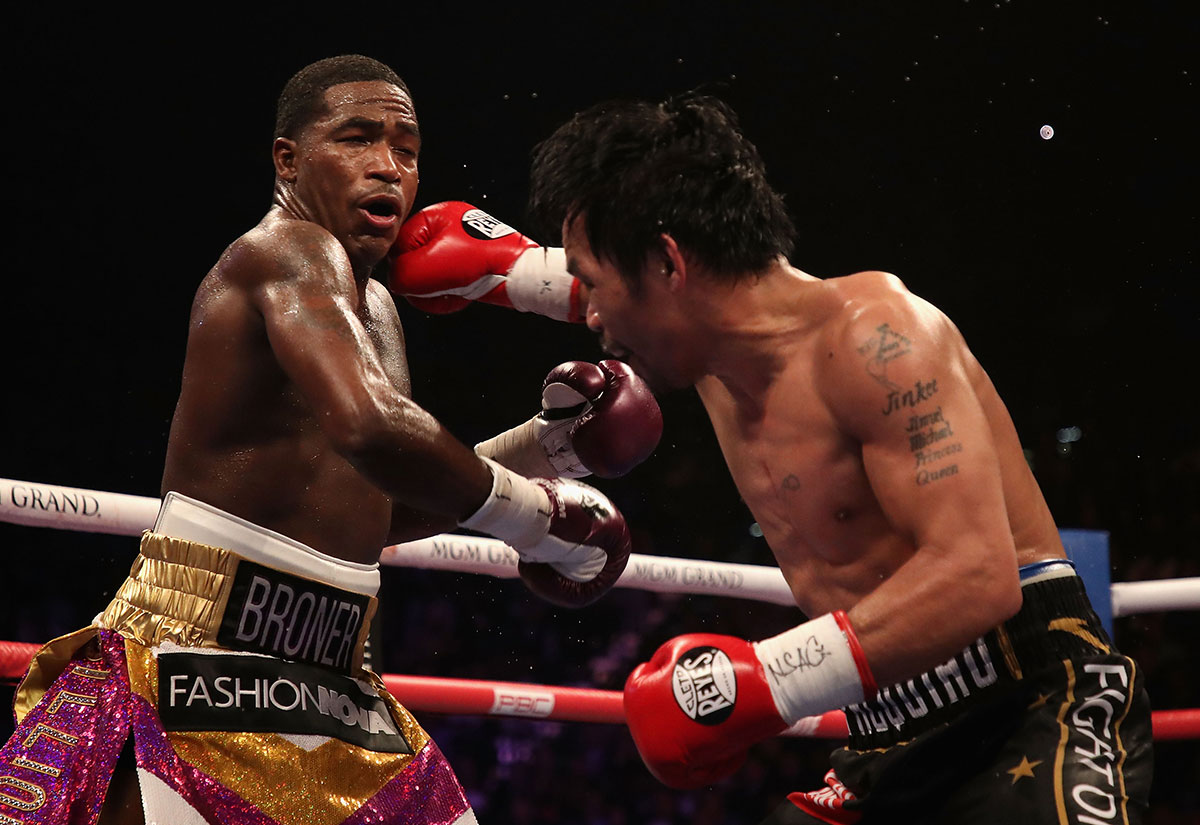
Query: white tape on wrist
{"x": 539, "y": 282}
{"x": 539, "y": 448}
{"x": 810, "y": 669}
{"x": 516, "y": 511}
{"x": 520, "y": 449}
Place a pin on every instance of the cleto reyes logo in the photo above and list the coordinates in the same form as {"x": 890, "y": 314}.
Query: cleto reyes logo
{"x": 704, "y": 684}
{"x": 481, "y": 225}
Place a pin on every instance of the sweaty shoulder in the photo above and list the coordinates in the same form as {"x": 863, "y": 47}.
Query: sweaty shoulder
{"x": 876, "y": 336}
{"x": 861, "y": 303}
{"x": 282, "y": 249}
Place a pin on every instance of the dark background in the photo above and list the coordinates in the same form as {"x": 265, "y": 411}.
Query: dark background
{"x": 904, "y": 136}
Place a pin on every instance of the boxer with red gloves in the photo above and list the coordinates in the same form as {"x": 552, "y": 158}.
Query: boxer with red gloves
{"x": 595, "y": 419}
{"x": 450, "y": 254}
{"x": 703, "y": 699}
{"x": 888, "y": 480}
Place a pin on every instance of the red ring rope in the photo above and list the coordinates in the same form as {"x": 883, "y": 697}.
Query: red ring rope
{"x": 483, "y": 698}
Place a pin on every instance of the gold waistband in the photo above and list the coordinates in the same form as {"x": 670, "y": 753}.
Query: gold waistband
{"x": 178, "y": 591}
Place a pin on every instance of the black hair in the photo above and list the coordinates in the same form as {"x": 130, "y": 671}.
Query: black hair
{"x": 303, "y": 97}
{"x": 635, "y": 170}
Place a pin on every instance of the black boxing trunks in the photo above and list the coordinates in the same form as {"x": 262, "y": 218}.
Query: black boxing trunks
{"x": 233, "y": 657}
{"x": 1041, "y": 720}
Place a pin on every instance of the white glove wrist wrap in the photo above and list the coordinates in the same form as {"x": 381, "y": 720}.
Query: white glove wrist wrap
{"x": 810, "y": 669}
{"x": 519, "y": 449}
{"x": 516, "y": 511}
{"x": 539, "y": 282}
{"x": 540, "y": 448}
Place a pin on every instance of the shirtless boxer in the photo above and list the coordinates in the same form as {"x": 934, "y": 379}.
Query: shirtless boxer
{"x": 233, "y": 652}
{"x": 889, "y": 482}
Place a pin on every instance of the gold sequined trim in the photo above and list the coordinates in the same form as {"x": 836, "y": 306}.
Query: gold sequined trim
{"x": 262, "y": 768}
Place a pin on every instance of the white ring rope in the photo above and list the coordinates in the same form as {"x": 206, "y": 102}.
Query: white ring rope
{"x": 69, "y": 508}
{"x": 661, "y": 574}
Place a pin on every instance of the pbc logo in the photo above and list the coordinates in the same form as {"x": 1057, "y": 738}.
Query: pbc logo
{"x": 705, "y": 685}
{"x": 481, "y": 225}
{"x": 522, "y": 703}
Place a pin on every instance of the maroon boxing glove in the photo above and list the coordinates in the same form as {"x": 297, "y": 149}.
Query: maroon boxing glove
{"x": 572, "y": 541}
{"x": 450, "y": 254}
{"x": 596, "y": 418}
{"x": 613, "y": 425}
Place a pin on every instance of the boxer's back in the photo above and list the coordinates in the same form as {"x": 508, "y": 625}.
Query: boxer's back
{"x": 244, "y": 438}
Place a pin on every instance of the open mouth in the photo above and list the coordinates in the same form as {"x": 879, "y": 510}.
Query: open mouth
{"x": 382, "y": 211}
{"x": 615, "y": 350}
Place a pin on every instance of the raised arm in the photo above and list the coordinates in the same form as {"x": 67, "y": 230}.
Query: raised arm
{"x": 901, "y": 381}
{"x": 572, "y": 542}
{"x": 313, "y": 318}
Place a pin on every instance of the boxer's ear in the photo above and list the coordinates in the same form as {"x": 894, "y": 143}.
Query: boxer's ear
{"x": 283, "y": 153}
{"x": 672, "y": 262}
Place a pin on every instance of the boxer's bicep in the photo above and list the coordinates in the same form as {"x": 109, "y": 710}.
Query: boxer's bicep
{"x": 927, "y": 449}
{"x": 387, "y": 334}
{"x": 320, "y": 343}
{"x": 904, "y": 395}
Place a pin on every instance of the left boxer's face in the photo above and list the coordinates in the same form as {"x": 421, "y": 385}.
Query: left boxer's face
{"x": 641, "y": 327}
{"x": 355, "y": 166}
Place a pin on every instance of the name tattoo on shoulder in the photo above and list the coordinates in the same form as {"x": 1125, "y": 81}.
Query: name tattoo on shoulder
{"x": 926, "y": 436}
{"x": 925, "y": 432}
{"x": 886, "y": 346}
{"x": 921, "y": 392}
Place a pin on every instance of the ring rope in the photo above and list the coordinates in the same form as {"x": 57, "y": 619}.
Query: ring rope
{"x": 477, "y": 697}
{"x": 70, "y": 508}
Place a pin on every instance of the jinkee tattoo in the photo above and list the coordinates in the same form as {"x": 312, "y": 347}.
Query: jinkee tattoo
{"x": 923, "y": 431}
{"x": 921, "y": 391}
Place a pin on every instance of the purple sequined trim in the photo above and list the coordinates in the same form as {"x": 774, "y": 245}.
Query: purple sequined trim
{"x": 58, "y": 762}
{"x": 426, "y": 793}
{"x": 56, "y": 767}
{"x": 208, "y": 796}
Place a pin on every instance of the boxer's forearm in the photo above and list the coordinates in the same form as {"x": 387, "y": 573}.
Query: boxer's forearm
{"x": 933, "y": 606}
{"x": 411, "y": 524}
{"x": 405, "y": 452}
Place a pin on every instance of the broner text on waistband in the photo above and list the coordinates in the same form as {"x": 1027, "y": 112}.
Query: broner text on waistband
{"x": 284, "y": 615}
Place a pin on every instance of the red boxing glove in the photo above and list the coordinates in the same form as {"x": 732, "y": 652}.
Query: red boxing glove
{"x": 572, "y": 542}
{"x": 450, "y": 254}
{"x": 598, "y": 419}
{"x": 703, "y": 699}
{"x": 696, "y": 707}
